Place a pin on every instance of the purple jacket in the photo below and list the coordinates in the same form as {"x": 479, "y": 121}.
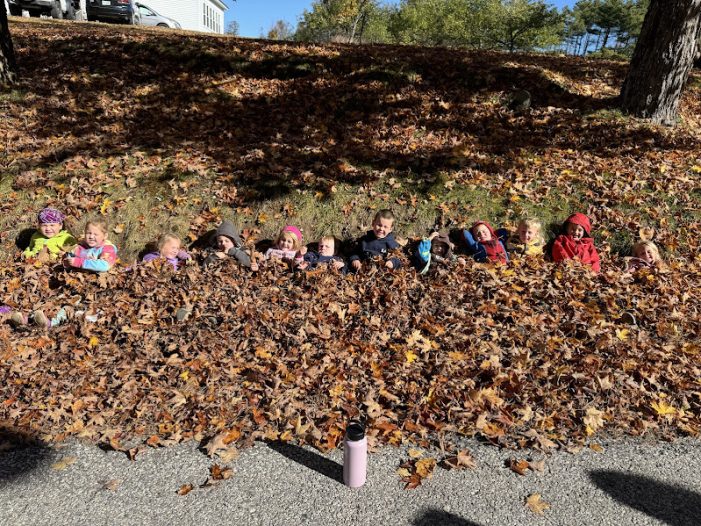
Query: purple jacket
{"x": 177, "y": 261}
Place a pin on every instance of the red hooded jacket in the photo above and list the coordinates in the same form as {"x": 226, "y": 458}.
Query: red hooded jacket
{"x": 566, "y": 247}
{"x": 493, "y": 248}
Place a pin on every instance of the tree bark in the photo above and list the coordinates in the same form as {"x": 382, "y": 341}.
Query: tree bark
{"x": 8, "y": 65}
{"x": 663, "y": 57}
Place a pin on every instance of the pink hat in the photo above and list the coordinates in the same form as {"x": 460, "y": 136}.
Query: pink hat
{"x": 295, "y": 231}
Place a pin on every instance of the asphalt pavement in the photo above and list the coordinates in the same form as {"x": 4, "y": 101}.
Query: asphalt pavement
{"x": 629, "y": 482}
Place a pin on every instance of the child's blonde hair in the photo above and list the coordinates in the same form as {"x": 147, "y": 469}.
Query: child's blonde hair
{"x": 165, "y": 238}
{"x": 99, "y": 223}
{"x": 286, "y": 234}
{"x": 640, "y": 245}
{"x": 530, "y": 222}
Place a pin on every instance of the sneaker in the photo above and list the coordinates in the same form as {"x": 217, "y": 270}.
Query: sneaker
{"x": 17, "y": 319}
{"x": 183, "y": 313}
{"x": 41, "y": 319}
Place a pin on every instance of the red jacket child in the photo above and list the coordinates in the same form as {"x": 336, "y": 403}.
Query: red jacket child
{"x": 576, "y": 242}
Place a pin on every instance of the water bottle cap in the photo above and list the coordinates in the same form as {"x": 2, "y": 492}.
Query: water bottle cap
{"x": 355, "y": 431}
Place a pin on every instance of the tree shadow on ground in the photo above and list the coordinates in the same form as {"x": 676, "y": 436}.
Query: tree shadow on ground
{"x": 309, "y": 459}
{"x": 673, "y": 505}
{"x": 435, "y": 517}
{"x": 271, "y": 118}
{"x": 20, "y": 453}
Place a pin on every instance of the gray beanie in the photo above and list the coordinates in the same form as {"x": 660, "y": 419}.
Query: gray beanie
{"x": 228, "y": 229}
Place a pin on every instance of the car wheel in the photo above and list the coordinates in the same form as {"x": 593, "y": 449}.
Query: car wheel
{"x": 161, "y": 25}
{"x": 15, "y": 10}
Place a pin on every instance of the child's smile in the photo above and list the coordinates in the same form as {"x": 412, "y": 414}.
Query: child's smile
{"x": 576, "y": 232}
{"x": 94, "y": 236}
{"x": 382, "y": 227}
{"x": 49, "y": 230}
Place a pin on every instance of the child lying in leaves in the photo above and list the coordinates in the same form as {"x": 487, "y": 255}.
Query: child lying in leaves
{"x": 50, "y": 239}
{"x": 575, "y": 242}
{"x": 325, "y": 256}
{"x": 377, "y": 242}
{"x": 95, "y": 252}
{"x": 483, "y": 244}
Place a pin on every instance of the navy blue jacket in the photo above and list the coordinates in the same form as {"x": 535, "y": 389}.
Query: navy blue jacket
{"x": 315, "y": 259}
{"x": 369, "y": 247}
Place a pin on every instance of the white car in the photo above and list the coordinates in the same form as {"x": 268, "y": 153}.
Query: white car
{"x": 150, "y": 18}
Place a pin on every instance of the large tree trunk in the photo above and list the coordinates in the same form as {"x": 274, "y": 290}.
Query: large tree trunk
{"x": 8, "y": 65}
{"x": 662, "y": 60}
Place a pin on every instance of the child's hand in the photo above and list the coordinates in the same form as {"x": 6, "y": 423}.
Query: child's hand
{"x": 389, "y": 265}
{"x": 433, "y": 236}
{"x": 303, "y": 265}
{"x": 356, "y": 264}
{"x": 301, "y": 252}
{"x": 68, "y": 262}
{"x": 220, "y": 255}
{"x": 338, "y": 265}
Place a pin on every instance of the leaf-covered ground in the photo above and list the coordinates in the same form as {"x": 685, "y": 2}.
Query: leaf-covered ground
{"x": 155, "y": 128}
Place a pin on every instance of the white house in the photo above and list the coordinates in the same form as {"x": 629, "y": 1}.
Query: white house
{"x": 195, "y": 15}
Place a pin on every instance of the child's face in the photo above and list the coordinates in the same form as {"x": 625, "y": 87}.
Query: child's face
{"x": 326, "y": 247}
{"x": 49, "y": 230}
{"x": 94, "y": 236}
{"x": 382, "y": 227}
{"x": 439, "y": 248}
{"x": 576, "y": 232}
{"x": 170, "y": 248}
{"x": 286, "y": 243}
{"x": 482, "y": 233}
{"x": 224, "y": 243}
{"x": 646, "y": 254}
{"x": 527, "y": 234}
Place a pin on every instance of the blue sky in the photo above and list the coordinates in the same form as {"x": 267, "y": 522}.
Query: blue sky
{"x": 256, "y": 17}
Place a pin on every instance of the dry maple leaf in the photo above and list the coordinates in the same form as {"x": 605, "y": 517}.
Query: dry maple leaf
{"x": 535, "y": 503}
{"x": 185, "y": 489}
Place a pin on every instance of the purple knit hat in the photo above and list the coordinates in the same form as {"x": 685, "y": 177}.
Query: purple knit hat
{"x": 51, "y": 215}
{"x": 295, "y": 231}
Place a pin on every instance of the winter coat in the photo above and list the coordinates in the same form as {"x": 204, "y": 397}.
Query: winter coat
{"x": 493, "y": 250}
{"x": 96, "y": 259}
{"x": 314, "y": 259}
{"x": 514, "y": 245}
{"x": 277, "y": 253}
{"x": 53, "y": 244}
{"x": 566, "y": 247}
{"x": 369, "y": 246}
{"x": 177, "y": 262}
{"x": 228, "y": 229}
{"x": 425, "y": 253}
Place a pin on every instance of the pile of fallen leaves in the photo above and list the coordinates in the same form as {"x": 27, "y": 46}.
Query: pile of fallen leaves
{"x": 531, "y": 354}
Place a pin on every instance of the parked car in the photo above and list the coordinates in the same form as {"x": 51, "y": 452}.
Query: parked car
{"x": 120, "y": 11}
{"x": 53, "y": 8}
{"x": 149, "y": 17}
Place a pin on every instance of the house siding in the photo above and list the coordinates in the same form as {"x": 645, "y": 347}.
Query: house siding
{"x": 191, "y": 14}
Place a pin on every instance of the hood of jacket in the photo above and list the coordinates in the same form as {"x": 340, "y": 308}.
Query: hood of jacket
{"x": 228, "y": 229}
{"x": 578, "y": 219}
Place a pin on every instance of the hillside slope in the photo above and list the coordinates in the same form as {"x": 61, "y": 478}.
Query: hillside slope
{"x": 155, "y": 127}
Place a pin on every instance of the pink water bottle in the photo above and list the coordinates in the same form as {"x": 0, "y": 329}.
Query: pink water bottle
{"x": 355, "y": 455}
